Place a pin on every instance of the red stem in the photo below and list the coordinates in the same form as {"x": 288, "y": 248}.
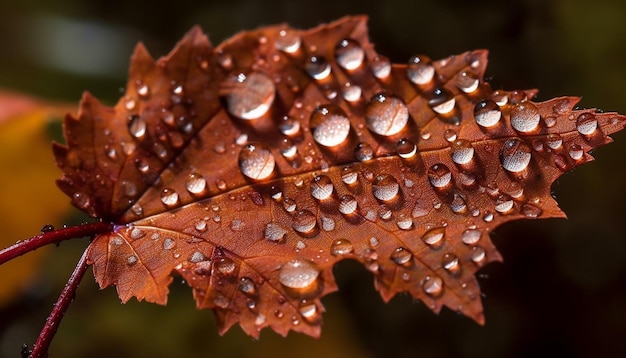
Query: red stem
{"x": 40, "y": 348}
{"x": 54, "y": 236}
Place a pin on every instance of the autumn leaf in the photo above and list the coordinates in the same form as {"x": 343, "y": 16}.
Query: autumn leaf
{"x": 251, "y": 169}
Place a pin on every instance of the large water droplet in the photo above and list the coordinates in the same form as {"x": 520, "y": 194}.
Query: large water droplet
{"x": 504, "y": 204}
{"x": 434, "y": 237}
{"x": 288, "y": 41}
{"x": 256, "y": 161}
{"x": 478, "y": 255}
{"x": 586, "y": 124}
{"x": 329, "y": 125}
{"x": 433, "y": 286}
{"x": 381, "y": 67}
{"x": 525, "y": 117}
{"x": 250, "y": 96}
{"x": 137, "y": 126}
{"x": 487, "y": 113}
{"x": 385, "y": 187}
{"x": 341, "y": 247}
{"x": 462, "y": 152}
{"x": 470, "y": 236}
{"x": 351, "y": 92}
{"x": 439, "y": 176}
{"x": 298, "y": 274}
{"x": 401, "y": 256}
{"x": 554, "y": 141}
{"x": 321, "y": 187}
{"x": 442, "y": 101}
{"x": 420, "y": 70}
{"x": 347, "y": 204}
{"x": 195, "y": 183}
{"x": 304, "y": 222}
{"x": 317, "y": 67}
{"x": 386, "y": 114}
{"x": 406, "y": 149}
{"x": 467, "y": 82}
{"x": 515, "y": 155}
{"x": 169, "y": 197}
{"x": 274, "y": 232}
{"x": 576, "y": 151}
{"x": 349, "y": 54}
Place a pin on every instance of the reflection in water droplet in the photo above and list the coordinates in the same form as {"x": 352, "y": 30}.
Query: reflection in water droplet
{"x": 317, "y": 67}
{"x": 329, "y": 125}
{"x": 385, "y": 187}
{"x": 420, "y": 70}
{"x": 434, "y": 237}
{"x": 195, "y": 183}
{"x": 515, "y": 155}
{"x": 406, "y": 149}
{"x": 470, "y": 236}
{"x": 586, "y": 124}
{"x": 256, "y": 161}
{"x": 525, "y": 117}
{"x": 169, "y": 197}
{"x": 386, "y": 114}
{"x": 433, "y": 286}
{"x": 487, "y": 113}
{"x": 462, "y": 152}
{"x": 442, "y": 101}
{"x": 298, "y": 274}
{"x": 401, "y": 256}
{"x": 349, "y": 54}
{"x": 321, "y": 187}
{"x": 439, "y": 176}
{"x": 341, "y": 247}
{"x": 249, "y": 96}
{"x": 288, "y": 41}
{"x": 304, "y": 221}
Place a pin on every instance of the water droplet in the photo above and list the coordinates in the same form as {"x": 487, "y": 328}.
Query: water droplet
{"x": 169, "y": 197}
{"x": 420, "y": 70}
{"x": 329, "y": 125}
{"x": 470, "y": 236}
{"x": 363, "y": 152}
{"x": 201, "y": 225}
{"x": 289, "y": 204}
{"x": 349, "y": 54}
{"x": 225, "y": 265}
{"x": 349, "y": 176}
{"x": 317, "y": 67}
{"x": 386, "y": 114}
{"x": 531, "y": 211}
{"x": 298, "y": 274}
{"x": 404, "y": 222}
{"x": 381, "y": 67}
{"x": 197, "y": 257}
{"x": 132, "y": 260}
{"x": 137, "y": 233}
{"x": 347, "y": 204}
{"x": 137, "y": 209}
{"x": 467, "y": 82}
{"x": 433, "y": 286}
{"x": 385, "y": 213}
{"x": 195, "y": 183}
{"x": 304, "y": 222}
{"x": 449, "y": 135}
{"x": 130, "y": 104}
{"x": 439, "y": 176}
{"x": 321, "y": 187}
{"x": 401, "y": 256}
{"x": 385, "y": 187}
{"x": 525, "y": 117}
{"x": 129, "y": 188}
{"x": 247, "y": 286}
{"x": 450, "y": 263}
{"x": 137, "y": 126}
{"x": 168, "y": 243}
{"x": 554, "y": 141}
{"x": 434, "y": 237}
{"x": 406, "y": 149}
{"x": 351, "y": 92}
{"x": 487, "y": 113}
{"x": 249, "y": 96}
{"x": 586, "y": 124}
{"x": 462, "y": 152}
{"x": 274, "y": 232}
{"x": 458, "y": 204}
{"x": 309, "y": 312}
{"x": 328, "y": 224}
{"x": 341, "y": 247}
{"x": 288, "y": 41}
{"x": 504, "y": 204}
{"x": 576, "y": 151}
{"x": 442, "y": 101}
{"x": 256, "y": 161}
{"x": 143, "y": 90}
{"x": 478, "y": 254}
{"x": 515, "y": 155}
{"x": 289, "y": 126}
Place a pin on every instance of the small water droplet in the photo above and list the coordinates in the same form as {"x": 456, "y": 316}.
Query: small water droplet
{"x": 328, "y": 224}
{"x": 515, "y": 155}
{"x": 439, "y": 176}
{"x": 504, "y": 204}
{"x": 225, "y": 265}
{"x": 487, "y": 113}
{"x": 433, "y": 286}
{"x": 458, "y": 204}
{"x": 404, "y": 222}
{"x": 363, "y": 152}
{"x": 169, "y": 197}
{"x": 197, "y": 257}
{"x": 462, "y": 152}
{"x": 137, "y": 209}
{"x": 142, "y": 89}
{"x": 586, "y": 124}
{"x": 525, "y": 117}
{"x": 289, "y": 204}
{"x": 401, "y": 256}
{"x": 347, "y": 204}
{"x": 329, "y": 125}
{"x": 449, "y": 135}
{"x": 385, "y": 212}
{"x": 137, "y": 233}
{"x": 442, "y": 101}
{"x": 309, "y": 311}
{"x": 341, "y": 247}
{"x": 168, "y": 243}
{"x": 247, "y": 286}
{"x": 317, "y": 67}
{"x": 304, "y": 222}
{"x": 256, "y": 161}
{"x": 531, "y": 211}
{"x": 288, "y": 41}
{"x": 321, "y": 187}
{"x": 349, "y": 54}
{"x": 406, "y": 149}
{"x": 349, "y": 176}
{"x": 196, "y": 184}
{"x": 249, "y": 96}
{"x": 420, "y": 70}
{"x": 467, "y": 82}
{"x": 434, "y": 237}
{"x": 289, "y": 126}
{"x": 351, "y": 92}
{"x": 576, "y": 151}
{"x": 221, "y": 301}
{"x": 385, "y": 187}
{"x": 386, "y": 114}
{"x": 132, "y": 260}
{"x": 275, "y": 232}
{"x": 450, "y": 263}
{"x": 478, "y": 255}
{"x": 470, "y": 236}
{"x": 298, "y": 274}
{"x": 554, "y": 141}
{"x": 137, "y": 126}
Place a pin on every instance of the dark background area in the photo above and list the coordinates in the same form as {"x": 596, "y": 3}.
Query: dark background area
{"x": 562, "y": 287}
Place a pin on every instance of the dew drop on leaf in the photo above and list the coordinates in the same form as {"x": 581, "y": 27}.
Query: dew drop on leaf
{"x": 329, "y": 125}
{"x": 349, "y": 54}
{"x": 420, "y": 70}
{"x": 298, "y": 274}
{"x": 256, "y": 161}
{"x": 386, "y": 114}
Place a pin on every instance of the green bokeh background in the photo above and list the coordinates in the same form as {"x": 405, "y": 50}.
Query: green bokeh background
{"x": 562, "y": 288}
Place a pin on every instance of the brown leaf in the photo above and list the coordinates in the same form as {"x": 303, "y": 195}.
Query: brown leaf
{"x": 252, "y": 168}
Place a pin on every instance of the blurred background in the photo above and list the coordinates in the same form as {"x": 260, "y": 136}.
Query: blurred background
{"x": 560, "y": 291}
